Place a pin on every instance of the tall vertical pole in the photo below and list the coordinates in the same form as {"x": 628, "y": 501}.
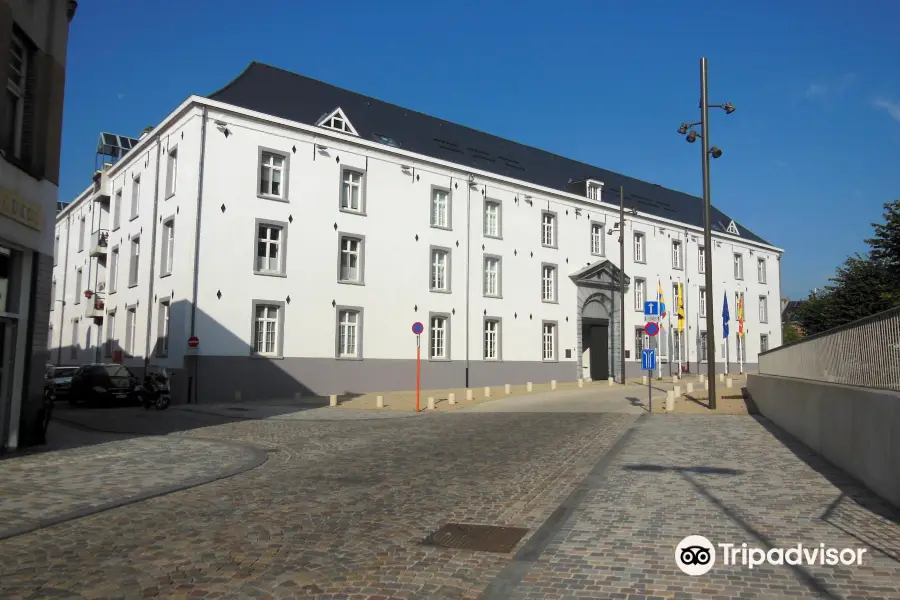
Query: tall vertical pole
{"x": 418, "y": 369}
{"x": 621, "y": 279}
{"x": 707, "y": 240}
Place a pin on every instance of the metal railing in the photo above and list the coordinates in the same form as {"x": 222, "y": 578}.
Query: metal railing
{"x": 865, "y": 353}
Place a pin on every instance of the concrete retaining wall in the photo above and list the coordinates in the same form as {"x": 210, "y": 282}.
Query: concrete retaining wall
{"x": 857, "y": 429}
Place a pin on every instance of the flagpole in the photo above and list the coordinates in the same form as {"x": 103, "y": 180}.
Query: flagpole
{"x": 743, "y": 334}
{"x": 659, "y": 333}
{"x": 669, "y": 346}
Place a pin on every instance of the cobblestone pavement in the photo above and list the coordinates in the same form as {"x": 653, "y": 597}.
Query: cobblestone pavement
{"x": 726, "y": 478}
{"x": 336, "y": 512}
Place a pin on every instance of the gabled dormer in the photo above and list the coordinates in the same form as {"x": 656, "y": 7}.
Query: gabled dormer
{"x": 594, "y": 189}
{"x": 338, "y": 121}
{"x": 732, "y": 229}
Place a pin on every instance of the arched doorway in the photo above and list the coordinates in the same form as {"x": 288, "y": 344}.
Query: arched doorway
{"x": 595, "y": 321}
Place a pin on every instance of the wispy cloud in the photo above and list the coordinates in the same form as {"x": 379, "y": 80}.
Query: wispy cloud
{"x": 892, "y": 108}
{"x": 821, "y": 90}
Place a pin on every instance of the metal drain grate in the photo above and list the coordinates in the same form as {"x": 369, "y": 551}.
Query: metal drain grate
{"x": 481, "y": 538}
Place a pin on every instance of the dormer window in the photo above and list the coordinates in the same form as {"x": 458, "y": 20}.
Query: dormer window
{"x": 732, "y": 229}
{"x": 338, "y": 121}
{"x": 593, "y": 189}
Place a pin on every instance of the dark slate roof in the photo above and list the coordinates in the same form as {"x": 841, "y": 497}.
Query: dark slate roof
{"x": 284, "y": 94}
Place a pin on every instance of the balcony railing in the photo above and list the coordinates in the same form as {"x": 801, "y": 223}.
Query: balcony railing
{"x": 99, "y": 242}
{"x": 94, "y": 307}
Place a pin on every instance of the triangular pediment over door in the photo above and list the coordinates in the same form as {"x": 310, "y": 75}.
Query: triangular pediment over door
{"x": 602, "y": 273}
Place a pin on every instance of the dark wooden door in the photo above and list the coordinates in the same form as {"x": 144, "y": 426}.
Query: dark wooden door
{"x": 599, "y": 352}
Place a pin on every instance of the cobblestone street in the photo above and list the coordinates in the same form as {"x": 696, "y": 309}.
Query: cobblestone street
{"x": 339, "y": 508}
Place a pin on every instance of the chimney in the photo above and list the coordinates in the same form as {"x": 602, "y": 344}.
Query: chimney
{"x": 146, "y": 132}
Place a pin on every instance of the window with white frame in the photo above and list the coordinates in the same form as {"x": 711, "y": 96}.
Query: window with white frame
{"x": 676, "y": 345}
{"x": 73, "y": 352}
{"x": 641, "y": 342}
{"x": 492, "y": 276}
{"x": 440, "y": 208}
{"x": 701, "y": 303}
{"x": 351, "y": 260}
{"x": 492, "y": 218}
{"x": 135, "y": 196}
{"x": 548, "y": 341}
{"x": 491, "y": 339}
{"x": 56, "y": 251}
{"x": 272, "y": 174}
{"x": 135, "y": 261}
{"x": 548, "y": 229}
{"x": 738, "y": 266}
{"x": 130, "y": 330}
{"x": 265, "y": 331}
{"x": 703, "y": 346}
{"x": 593, "y": 191}
{"x": 171, "y": 171}
{"x": 168, "y": 246}
{"x": 78, "y": 289}
{"x": 352, "y": 191}
{"x": 676, "y": 255}
{"x": 640, "y": 294}
{"x": 110, "y": 333}
{"x": 113, "y": 269}
{"x": 49, "y": 336}
{"x": 763, "y": 342}
{"x": 117, "y": 210}
{"x": 53, "y": 294}
{"x": 701, "y": 259}
{"x": 338, "y": 121}
{"x": 598, "y": 240}
{"x": 440, "y": 334}
{"x": 761, "y": 270}
{"x": 348, "y": 333}
{"x": 162, "y": 344}
{"x": 440, "y": 270}
{"x": 763, "y": 309}
{"x": 269, "y": 255}
{"x": 13, "y": 122}
{"x": 548, "y": 283}
{"x": 81, "y": 233}
{"x": 639, "y": 248}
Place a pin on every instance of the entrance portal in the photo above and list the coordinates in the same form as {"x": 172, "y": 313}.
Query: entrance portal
{"x": 599, "y": 344}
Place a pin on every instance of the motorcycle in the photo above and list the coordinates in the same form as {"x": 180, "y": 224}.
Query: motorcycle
{"x": 154, "y": 391}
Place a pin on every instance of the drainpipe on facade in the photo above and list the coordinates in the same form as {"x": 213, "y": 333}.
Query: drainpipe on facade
{"x": 62, "y": 313}
{"x": 152, "y": 255}
{"x": 193, "y": 381}
{"x": 468, "y": 252}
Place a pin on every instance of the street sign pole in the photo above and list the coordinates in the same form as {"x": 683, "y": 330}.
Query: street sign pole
{"x": 648, "y": 364}
{"x": 650, "y": 391}
{"x": 417, "y": 329}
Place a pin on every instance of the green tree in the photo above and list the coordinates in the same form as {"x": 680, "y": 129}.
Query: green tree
{"x": 790, "y": 334}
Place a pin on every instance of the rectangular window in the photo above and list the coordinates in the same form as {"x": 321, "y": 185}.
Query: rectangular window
{"x": 761, "y": 270}
{"x": 272, "y": 174}
{"x": 168, "y": 246}
{"x": 492, "y": 226}
{"x": 171, "y": 171}
{"x": 78, "y": 289}
{"x": 641, "y": 341}
{"x": 440, "y": 337}
{"x": 492, "y": 339}
{"x": 676, "y": 255}
{"x": 701, "y": 304}
{"x": 593, "y": 191}
{"x": 162, "y": 343}
{"x": 81, "y": 233}
{"x": 548, "y": 229}
{"x": 135, "y": 196}
{"x": 130, "y": 331}
{"x": 110, "y": 333}
{"x": 13, "y": 123}
{"x": 352, "y": 198}
{"x": 50, "y": 336}
{"x": 548, "y": 283}
{"x": 492, "y": 276}
{"x": 74, "y": 350}
{"x": 52, "y": 294}
{"x": 440, "y": 208}
{"x": 265, "y": 332}
{"x": 349, "y": 331}
{"x": 639, "y": 248}
{"x": 763, "y": 310}
{"x": 117, "y": 210}
{"x": 701, "y": 259}
{"x": 703, "y": 338}
{"x": 113, "y": 269}
{"x": 598, "y": 240}
{"x": 738, "y": 266}
{"x": 351, "y": 259}
{"x": 56, "y": 251}
{"x": 676, "y": 346}
{"x": 763, "y": 343}
{"x": 548, "y": 341}
{"x": 135, "y": 261}
{"x": 640, "y": 294}
{"x": 269, "y": 254}
{"x": 440, "y": 270}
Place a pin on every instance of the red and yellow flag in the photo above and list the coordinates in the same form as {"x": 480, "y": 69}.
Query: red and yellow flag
{"x": 740, "y": 315}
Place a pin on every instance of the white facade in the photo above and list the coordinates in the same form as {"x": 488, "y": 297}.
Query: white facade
{"x": 420, "y": 242}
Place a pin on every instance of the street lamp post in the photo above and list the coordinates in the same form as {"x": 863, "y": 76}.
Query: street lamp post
{"x": 691, "y": 137}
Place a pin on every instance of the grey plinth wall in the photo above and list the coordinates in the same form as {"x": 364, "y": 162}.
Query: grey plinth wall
{"x": 855, "y": 428}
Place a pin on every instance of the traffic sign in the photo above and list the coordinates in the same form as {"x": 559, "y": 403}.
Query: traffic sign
{"x": 651, "y": 308}
{"x": 193, "y": 341}
{"x": 648, "y": 359}
{"x": 651, "y": 329}
{"x": 418, "y": 328}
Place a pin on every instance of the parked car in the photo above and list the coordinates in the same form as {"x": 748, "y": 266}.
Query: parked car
{"x": 58, "y": 381}
{"x": 103, "y": 384}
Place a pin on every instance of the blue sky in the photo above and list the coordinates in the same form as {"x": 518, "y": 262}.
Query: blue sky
{"x": 810, "y": 156}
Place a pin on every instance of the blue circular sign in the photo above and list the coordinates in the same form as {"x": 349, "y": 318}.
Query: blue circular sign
{"x": 418, "y": 328}
{"x": 651, "y": 329}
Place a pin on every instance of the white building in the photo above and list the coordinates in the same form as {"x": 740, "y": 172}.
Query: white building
{"x": 299, "y": 230}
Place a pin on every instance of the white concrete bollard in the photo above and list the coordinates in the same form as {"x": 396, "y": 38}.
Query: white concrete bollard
{"x": 722, "y": 377}
{"x": 702, "y": 377}
{"x": 581, "y": 383}
{"x": 237, "y": 396}
{"x": 690, "y": 388}
{"x": 678, "y": 391}
{"x": 674, "y": 378}
{"x": 379, "y": 401}
{"x": 508, "y": 389}
{"x": 430, "y": 402}
{"x": 487, "y": 392}
{"x": 609, "y": 380}
{"x": 469, "y": 394}
{"x": 451, "y": 398}
{"x": 552, "y": 384}
{"x": 529, "y": 386}
{"x": 332, "y": 400}
{"x": 670, "y": 401}
{"x": 643, "y": 380}
{"x": 728, "y": 383}
{"x": 705, "y": 385}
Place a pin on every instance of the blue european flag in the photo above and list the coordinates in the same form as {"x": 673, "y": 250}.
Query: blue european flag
{"x": 725, "y": 317}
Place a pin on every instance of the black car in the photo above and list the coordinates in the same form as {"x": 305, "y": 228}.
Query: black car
{"x": 103, "y": 384}
{"x": 58, "y": 382}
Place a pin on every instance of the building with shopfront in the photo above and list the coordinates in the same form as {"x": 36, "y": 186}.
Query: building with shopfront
{"x": 296, "y": 231}
{"x": 33, "y": 39}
